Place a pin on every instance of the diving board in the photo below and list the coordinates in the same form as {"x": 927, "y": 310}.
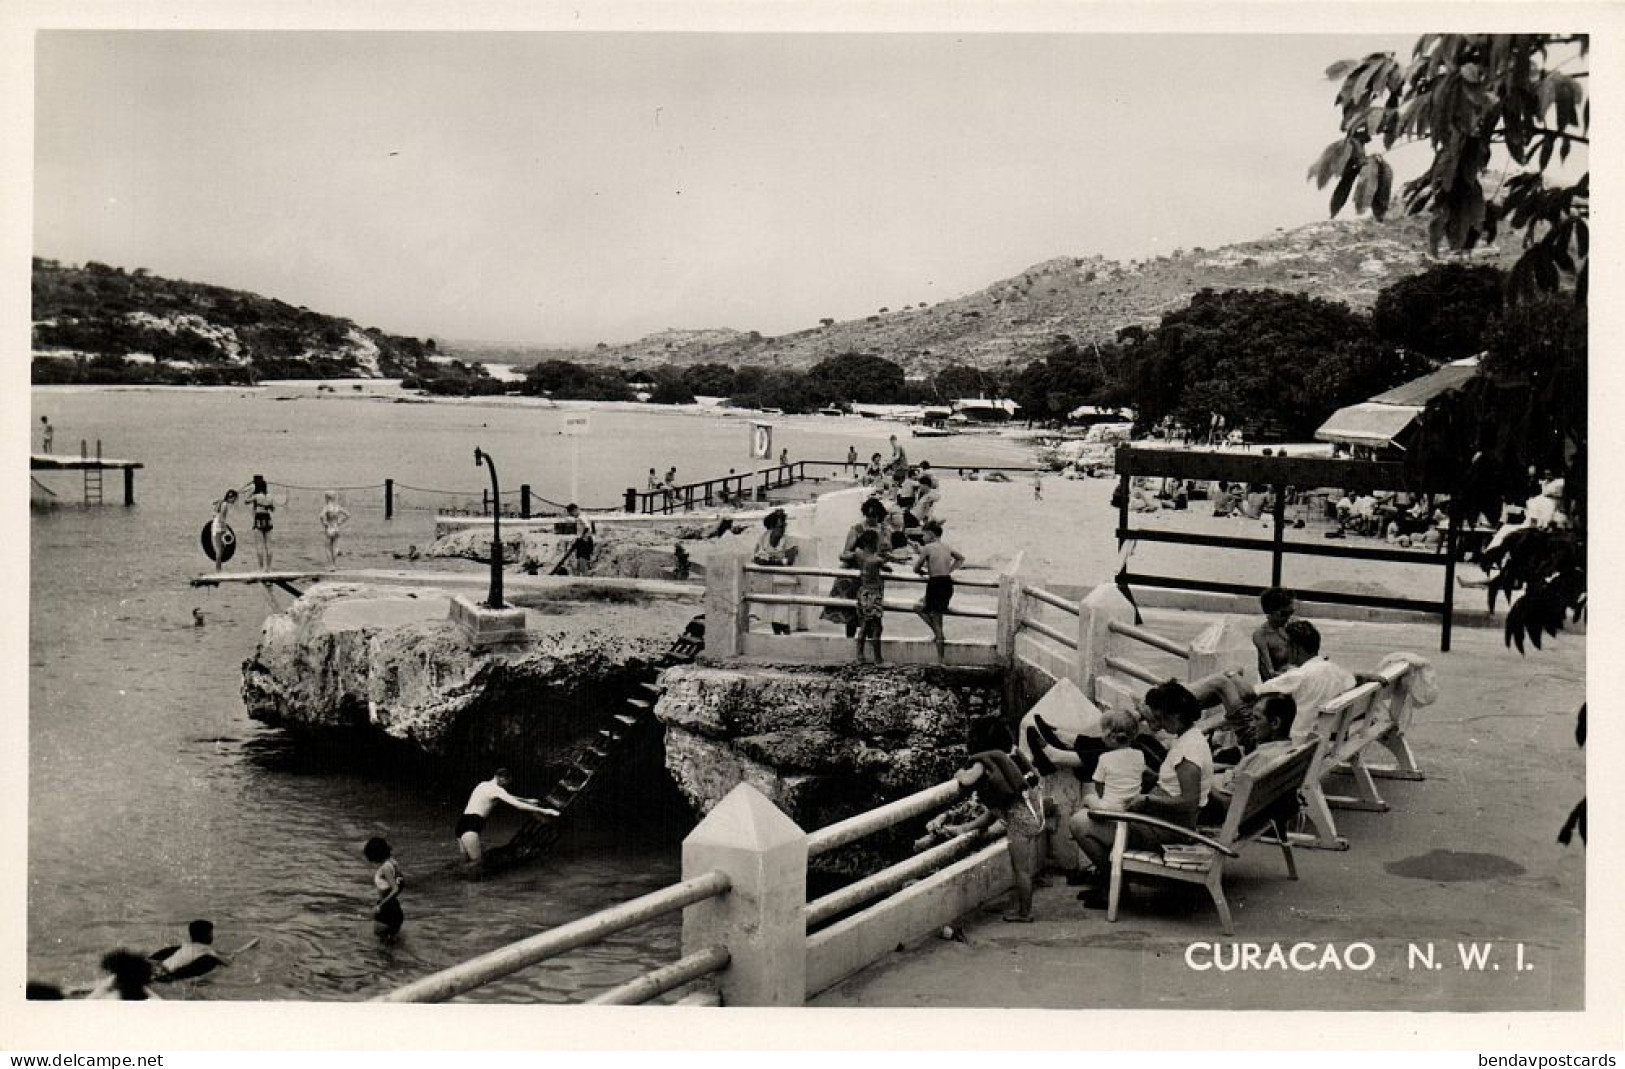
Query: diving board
{"x": 285, "y": 580}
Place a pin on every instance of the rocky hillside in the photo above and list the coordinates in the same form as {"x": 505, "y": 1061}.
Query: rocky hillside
{"x": 1090, "y": 298}
{"x": 101, "y": 323}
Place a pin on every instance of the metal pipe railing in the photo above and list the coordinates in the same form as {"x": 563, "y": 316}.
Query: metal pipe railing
{"x": 1150, "y": 638}
{"x": 1129, "y": 668}
{"x": 893, "y": 877}
{"x": 854, "y": 828}
{"x": 847, "y": 603}
{"x": 1040, "y": 594}
{"x": 504, "y": 961}
{"x": 657, "y": 982}
{"x": 1029, "y": 624}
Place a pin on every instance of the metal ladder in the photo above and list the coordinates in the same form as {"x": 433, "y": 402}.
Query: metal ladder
{"x": 93, "y": 474}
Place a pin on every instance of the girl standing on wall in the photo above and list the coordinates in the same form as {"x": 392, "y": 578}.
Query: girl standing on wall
{"x": 260, "y": 501}
{"x": 333, "y": 517}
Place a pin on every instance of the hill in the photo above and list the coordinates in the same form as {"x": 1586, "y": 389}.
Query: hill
{"x": 103, "y": 324}
{"x": 1089, "y": 298}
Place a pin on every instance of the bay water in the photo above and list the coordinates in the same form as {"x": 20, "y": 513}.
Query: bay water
{"x": 154, "y": 800}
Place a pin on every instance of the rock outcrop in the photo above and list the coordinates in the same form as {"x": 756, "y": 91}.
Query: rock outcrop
{"x": 387, "y": 663}
{"x": 823, "y": 743}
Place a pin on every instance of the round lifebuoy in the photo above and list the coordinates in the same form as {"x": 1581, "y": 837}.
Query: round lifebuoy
{"x": 228, "y": 541}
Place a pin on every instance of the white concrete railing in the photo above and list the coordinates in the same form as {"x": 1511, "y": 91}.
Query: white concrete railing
{"x": 746, "y": 917}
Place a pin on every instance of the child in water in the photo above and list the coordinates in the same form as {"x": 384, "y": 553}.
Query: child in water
{"x": 867, "y": 558}
{"x": 333, "y": 517}
{"x": 387, "y": 916}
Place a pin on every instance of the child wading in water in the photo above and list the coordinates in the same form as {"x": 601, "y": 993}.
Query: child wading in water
{"x": 867, "y": 558}
{"x": 333, "y": 517}
{"x": 387, "y": 916}
{"x": 936, "y": 562}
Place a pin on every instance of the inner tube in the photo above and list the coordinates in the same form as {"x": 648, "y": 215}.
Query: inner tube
{"x": 190, "y": 971}
{"x": 1004, "y": 778}
{"x": 228, "y": 541}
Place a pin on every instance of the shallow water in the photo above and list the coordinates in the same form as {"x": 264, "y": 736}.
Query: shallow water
{"x": 154, "y": 800}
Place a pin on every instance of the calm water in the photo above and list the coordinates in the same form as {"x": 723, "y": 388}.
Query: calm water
{"x": 153, "y": 799}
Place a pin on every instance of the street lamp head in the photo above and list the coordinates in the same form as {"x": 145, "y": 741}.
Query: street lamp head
{"x": 479, "y": 457}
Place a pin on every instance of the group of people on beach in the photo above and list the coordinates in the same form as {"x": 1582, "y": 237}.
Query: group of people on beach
{"x": 897, "y": 526}
{"x": 1153, "y": 759}
{"x": 332, "y": 518}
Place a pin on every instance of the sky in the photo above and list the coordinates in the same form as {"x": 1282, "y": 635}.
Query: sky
{"x": 572, "y": 188}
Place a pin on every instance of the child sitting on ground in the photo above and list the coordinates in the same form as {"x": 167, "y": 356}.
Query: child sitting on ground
{"x": 1007, "y": 787}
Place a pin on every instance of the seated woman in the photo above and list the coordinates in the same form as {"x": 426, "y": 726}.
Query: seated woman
{"x": 1183, "y": 782}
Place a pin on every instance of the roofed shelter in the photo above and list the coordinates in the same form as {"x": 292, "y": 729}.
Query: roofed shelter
{"x": 1384, "y": 422}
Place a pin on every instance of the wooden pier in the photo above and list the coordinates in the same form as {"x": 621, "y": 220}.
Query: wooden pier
{"x": 92, "y": 466}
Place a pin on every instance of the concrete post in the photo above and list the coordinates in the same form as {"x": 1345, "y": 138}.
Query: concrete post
{"x": 1221, "y": 647}
{"x": 726, "y": 614}
{"x": 1104, "y": 604}
{"x": 1012, "y": 603}
{"x": 760, "y": 921}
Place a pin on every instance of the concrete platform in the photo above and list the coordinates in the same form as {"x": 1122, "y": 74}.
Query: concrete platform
{"x": 1466, "y": 858}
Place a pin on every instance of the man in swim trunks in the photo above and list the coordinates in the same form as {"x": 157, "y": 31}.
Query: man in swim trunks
{"x": 478, "y": 809}
{"x": 936, "y": 562}
{"x": 580, "y": 555}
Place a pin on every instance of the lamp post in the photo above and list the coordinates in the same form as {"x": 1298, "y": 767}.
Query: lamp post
{"x": 495, "y": 600}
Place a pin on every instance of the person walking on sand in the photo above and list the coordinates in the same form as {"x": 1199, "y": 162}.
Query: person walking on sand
{"x": 262, "y": 504}
{"x": 220, "y": 528}
{"x": 387, "y": 915}
{"x": 477, "y": 810}
{"x": 851, "y": 459}
{"x": 1038, "y": 486}
{"x": 936, "y": 562}
{"x": 333, "y": 517}
{"x": 47, "y": 434}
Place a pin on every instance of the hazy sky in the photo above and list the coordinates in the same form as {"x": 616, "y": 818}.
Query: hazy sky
{"x": 578, "y": 187}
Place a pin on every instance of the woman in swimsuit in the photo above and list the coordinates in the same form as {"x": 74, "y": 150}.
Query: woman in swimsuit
{"x": 333, "y": 517}
{"x": 218, "y": 527}
{"x": 260, "y": 501}
{"x": 387, "y": 915}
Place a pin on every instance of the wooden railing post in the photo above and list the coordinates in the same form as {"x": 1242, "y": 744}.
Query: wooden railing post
{"x": 389, "y": 499}
{"x": 524, "y": 501}
{"x": 760, "y": 921}
{"x": 631, "y": 501}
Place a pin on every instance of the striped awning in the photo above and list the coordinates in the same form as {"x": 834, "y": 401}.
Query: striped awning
{"x": 1368, "y": 423}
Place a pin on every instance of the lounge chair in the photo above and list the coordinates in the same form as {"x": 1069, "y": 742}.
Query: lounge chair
{"x": 1261, "y": 799}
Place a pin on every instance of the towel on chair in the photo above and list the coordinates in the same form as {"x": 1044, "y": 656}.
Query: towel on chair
{"x": 1423, "y": 686}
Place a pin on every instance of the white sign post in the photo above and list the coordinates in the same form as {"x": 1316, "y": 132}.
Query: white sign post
{"x": 576, "y": 425}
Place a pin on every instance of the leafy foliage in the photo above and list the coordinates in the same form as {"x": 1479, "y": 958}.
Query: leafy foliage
{"x": 1442, "y": 312}
{"x": 1061, "y": 380}
{"x": 860, "y": 377}
{"x": 1466, "y": 95}
{"x": 1258, "y": 357}
{"x": 196, "y": 333}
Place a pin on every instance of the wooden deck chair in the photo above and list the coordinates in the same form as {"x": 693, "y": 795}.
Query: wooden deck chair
{"x": 1260, "y": 800}
{"x": 1370, "y": 714}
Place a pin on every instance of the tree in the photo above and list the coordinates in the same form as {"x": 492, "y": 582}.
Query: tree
{"x": 855, "y": 377}
{"x": 1257, "y": 357}
{"x": 1467, "y": 95}
{"x": 1443, "y": 311}
{"x": 963, "y": 380}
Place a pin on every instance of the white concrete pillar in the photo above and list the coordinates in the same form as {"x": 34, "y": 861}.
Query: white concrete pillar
{"x": 726, "y": 614}
{"x": 761, "y": 920}
{"x": 1104, "y": 604}
{"x": 1223, "y": 646}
